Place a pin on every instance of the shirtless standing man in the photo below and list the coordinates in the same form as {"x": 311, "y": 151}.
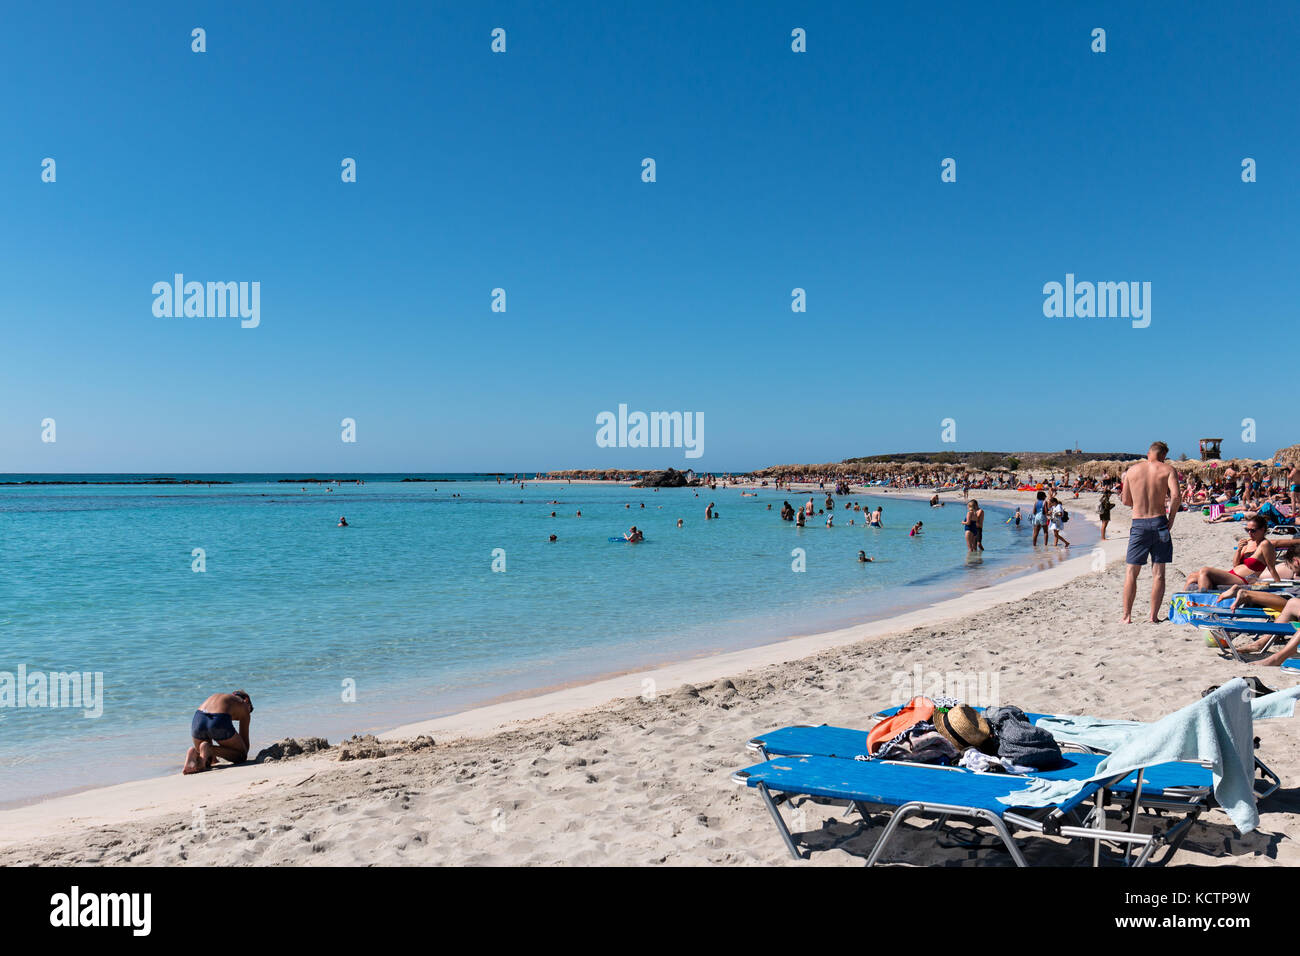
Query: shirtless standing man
{"x": 1148, "y": 485}
{"x": 213, "y": 731}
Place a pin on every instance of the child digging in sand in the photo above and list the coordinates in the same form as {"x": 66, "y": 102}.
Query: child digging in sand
{"x": 213, "y": 731}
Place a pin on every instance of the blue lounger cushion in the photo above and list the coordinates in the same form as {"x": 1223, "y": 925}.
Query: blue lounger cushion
{"x": 843, "y": 743}
{"x": 1237, "y": 626}
{"x": 893, "y": 784}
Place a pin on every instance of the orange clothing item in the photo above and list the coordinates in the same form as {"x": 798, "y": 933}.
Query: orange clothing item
{"x": 914, "y": 711}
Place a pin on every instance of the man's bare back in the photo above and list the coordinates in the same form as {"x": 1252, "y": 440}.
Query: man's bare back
{"x": 237, "y": 707}
{"x": 1151, "y": 490}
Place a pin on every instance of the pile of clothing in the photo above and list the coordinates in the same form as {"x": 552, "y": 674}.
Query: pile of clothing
{"x": 947, "y": 732}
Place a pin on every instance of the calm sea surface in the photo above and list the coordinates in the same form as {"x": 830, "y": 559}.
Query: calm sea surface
{"x": 405, "y": 602}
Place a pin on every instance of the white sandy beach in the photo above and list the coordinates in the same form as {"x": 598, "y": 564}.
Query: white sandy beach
{"x": 636, "y": 769}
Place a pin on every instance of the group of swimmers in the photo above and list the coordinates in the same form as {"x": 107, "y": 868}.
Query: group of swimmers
{"x": 800, "y": 516}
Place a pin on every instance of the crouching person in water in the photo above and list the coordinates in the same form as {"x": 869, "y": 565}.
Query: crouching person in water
{"x": 214, "y": 734}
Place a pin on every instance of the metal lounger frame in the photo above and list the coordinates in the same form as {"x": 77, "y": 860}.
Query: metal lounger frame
{"x": 1049, "y": 824}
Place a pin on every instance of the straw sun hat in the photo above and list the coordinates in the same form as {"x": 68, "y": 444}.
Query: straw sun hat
{"x": 963, "y": 726}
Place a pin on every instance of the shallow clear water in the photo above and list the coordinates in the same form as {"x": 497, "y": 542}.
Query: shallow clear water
{"x": 405, "y": 602}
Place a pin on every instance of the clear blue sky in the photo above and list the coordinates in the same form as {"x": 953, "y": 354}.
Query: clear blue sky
{"x": 775, "y": 170}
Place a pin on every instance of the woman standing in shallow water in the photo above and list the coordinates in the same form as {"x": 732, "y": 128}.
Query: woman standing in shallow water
{"x": 1040, "y": 517}
{"x": 974, "y": 526}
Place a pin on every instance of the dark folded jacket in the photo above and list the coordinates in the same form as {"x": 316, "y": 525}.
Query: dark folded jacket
{"x": 1021, "y": 742}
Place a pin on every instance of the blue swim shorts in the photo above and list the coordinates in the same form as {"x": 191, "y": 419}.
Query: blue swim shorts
{"x": 1150, "y": 536}
{"x": 214, "y": 727}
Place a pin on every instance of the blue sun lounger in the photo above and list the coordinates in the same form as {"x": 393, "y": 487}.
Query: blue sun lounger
{"x": 1176, "y": 786}
{"x": 1181, "y": 781}
{"x": 910, "y": 789}
{"x": 1224, "y": 628}
{"x": 1181, "y": 787}
{"x": 1185, "y": 606}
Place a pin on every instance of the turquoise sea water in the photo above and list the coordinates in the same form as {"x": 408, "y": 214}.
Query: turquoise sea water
{"x": 405, "y": 602}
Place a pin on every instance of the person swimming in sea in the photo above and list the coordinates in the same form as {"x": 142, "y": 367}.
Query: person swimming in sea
{"x": 634, "y": 535}
{"x": 916, "y": 529}
{"x": 343, "y": 522}
{"x": 862, "y": 558}
{"x": 553, "y": 538}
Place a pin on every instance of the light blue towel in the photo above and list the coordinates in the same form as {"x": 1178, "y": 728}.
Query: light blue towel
{"x": 1104, "y": 734}
{"x": 1100, "y": 733}
{"x": 1278, "y": 704}
{"x": 1216, "y": 729}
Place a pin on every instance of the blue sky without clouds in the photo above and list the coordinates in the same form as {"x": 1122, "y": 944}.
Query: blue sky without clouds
{"x": 522, "y": 170}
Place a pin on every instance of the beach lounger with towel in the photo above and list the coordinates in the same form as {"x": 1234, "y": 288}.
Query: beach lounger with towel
{"x": 1175, "y": 782}
{"x": 1187, "y": 606}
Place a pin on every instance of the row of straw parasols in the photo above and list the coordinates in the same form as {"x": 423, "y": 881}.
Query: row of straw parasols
{"x": 1283, "y": 457}
{"x": 1091, "y": 469}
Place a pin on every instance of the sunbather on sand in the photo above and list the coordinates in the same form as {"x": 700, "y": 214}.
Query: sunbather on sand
{"x": 1254, "y": 557}
{"x": 213, "y": 731}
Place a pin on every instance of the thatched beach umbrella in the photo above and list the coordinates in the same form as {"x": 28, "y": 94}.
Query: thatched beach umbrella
{"x": 1289, "y": 456}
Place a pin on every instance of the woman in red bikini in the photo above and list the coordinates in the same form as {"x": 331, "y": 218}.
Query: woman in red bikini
{"x": 1254, "y": 555}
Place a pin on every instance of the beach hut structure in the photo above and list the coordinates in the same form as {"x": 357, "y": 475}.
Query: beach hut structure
{"x": 1210, "y": 448}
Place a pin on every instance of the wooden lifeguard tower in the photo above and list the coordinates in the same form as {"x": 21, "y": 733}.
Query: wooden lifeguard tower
{"x": 1210, "y": 449}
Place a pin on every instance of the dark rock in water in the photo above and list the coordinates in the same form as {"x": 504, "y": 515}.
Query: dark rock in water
{"x": 672, "y": 478}
{"x": 293, "y": 747}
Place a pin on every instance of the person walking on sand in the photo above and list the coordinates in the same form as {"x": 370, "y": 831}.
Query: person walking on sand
{"x": 213, "y": 731}
{"x": 1104, "y": 508}
{"x": 1151, "y": 489}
